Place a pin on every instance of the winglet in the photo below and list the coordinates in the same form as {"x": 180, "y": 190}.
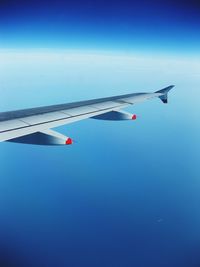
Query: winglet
{"x": 164, "y": 93}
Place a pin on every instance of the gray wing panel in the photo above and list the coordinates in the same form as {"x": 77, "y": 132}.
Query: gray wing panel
{"x": 41, "y": 110}
{"x": 24, "y": 129}
{"x": 22, "y": 122}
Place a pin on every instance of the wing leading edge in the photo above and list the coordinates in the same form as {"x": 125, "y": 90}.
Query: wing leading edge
{"x": 33, "y": 125}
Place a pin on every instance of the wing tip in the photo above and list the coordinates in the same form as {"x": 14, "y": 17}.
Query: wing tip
{"x": 164, "y": 92}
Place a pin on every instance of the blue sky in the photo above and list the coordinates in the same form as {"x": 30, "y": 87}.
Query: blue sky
{"x": 121, "y": 25}
{"x": 126, "y": 193}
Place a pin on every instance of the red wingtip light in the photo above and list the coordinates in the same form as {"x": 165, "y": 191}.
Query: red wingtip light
{"x": 69, "y": 141}
{"x": 134, "y": 117}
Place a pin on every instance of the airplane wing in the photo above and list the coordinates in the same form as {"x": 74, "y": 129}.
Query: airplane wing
{"x": 34, "y": 126}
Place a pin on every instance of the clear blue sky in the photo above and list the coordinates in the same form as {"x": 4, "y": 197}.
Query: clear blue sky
{"x": 128, "y": 25}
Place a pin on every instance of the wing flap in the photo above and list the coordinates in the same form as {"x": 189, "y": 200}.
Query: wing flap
{"x": 139, "y": 98}
{"x": 37, "y": 119}
{"x": 106, "y": 105}
{"x": 79, "y": 110}
{"x": 11, "y": 125}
